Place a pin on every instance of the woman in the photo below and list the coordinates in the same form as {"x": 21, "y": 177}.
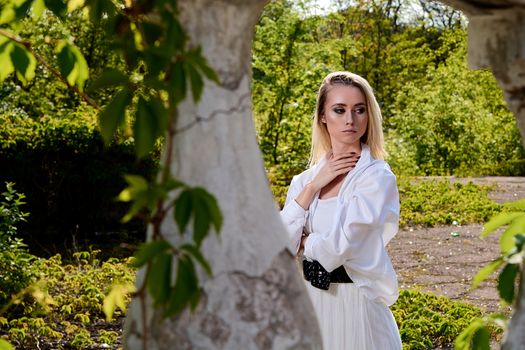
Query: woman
{"x": 341, "y": 212}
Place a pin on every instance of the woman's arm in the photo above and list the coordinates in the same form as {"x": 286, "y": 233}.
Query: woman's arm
{"x": 299, "y": 197}
{"x": 368, "y": 218}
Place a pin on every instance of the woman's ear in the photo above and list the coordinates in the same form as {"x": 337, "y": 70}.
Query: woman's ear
{"x": 323, "y": 120}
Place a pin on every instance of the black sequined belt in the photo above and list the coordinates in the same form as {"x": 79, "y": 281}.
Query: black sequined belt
{"x": 318, "y": 277}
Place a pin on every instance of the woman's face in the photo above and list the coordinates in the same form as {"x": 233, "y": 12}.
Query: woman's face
{"x": 345, "y": 115}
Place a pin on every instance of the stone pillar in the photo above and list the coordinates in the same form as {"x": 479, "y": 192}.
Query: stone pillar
{"x": 256, "y": 298}
{"x": 497, "y": 41}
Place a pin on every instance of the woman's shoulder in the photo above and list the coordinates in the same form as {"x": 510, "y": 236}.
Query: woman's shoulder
{"x": 377, "y": 170}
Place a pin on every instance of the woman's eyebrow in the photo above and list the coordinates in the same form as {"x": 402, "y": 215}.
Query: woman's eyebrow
{"x": 359, "y": 104}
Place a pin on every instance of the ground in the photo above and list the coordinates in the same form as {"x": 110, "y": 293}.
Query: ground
{"x": 443, "y": 260}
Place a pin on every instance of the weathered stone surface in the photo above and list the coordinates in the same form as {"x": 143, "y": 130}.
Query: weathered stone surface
{"x": 256, "y": 298}
{"x": 238, "y": 307}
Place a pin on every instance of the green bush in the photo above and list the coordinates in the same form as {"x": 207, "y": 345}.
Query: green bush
{"x": 432, "y": 202}
{"x": 70, "y": 177}
{"x": 16, "y": 272}
{"x": 427, "y": 321}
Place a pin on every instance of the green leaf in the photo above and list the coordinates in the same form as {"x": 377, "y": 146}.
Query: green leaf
{"x": 213, "y": 208}
{"x": 516, "y": 205}
{"x": 197, "y": 84}
{"x": 201, "y": 217}
{"x": 160, "y": 113}
{"x": 114, "y": 114}
{"x": 486, "y": 271}
{"x": 481, "y": 339}
{"x": 172, "y": 184}
{"x": 498, "y": 221}
{"x": 183, "y": 210}
{"x": 464, "y": 339}
{"x": 517, "y": 226}
{"x": 6, "y": 46}
{"x": 176, "y": 36}
{"x": 143, "y": 194}
{"x": 109, "y": 78}
{"x": 72, "y": 64}
{"x": 136, "y": 182}
{"x": 4, "y": 345}
{"x": 144, "y": 129}
{"x": 116, "y": 298}
{"x": 73, "y": 5}
{"x": 24, "y": 63}
{"x": 159, "y": 278}
{"x": 58, "y": 7}
{"x": 38, "y": 8}
{"x": 197, "y": 255}
{"x": 178, "y": 82}
{"x": 186, "y": 289}
{"x": 138, "y": 205}
{"x": 7, "y": 14}
{"x": 196, "y": 58}
{"x": 506, "y": 285}
{"x": 148, "y": 251}
{"x": 136, "y": 185}
{"x": 151, "y": 121}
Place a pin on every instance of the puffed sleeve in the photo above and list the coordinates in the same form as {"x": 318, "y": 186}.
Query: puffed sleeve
{"x": 294, "y": 216}
{"x": 368, "y": 219}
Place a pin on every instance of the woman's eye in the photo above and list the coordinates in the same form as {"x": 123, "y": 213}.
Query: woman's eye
{"x": 360, "y": 110}
{"x": 339, "y": 110}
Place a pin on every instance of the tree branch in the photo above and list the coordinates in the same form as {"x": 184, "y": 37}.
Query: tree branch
{"x": 55, "y": 72}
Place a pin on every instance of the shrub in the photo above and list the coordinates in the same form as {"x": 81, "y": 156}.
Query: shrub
{"x": 427, "y": 321}
{"x": 74, "y": 317}
{"x": 16, "y": 271}
{"x": 432, "y": 202}
{"x": 70, "y": 177}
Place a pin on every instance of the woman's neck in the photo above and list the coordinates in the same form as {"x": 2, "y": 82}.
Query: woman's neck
{"x": 341, "y": 148}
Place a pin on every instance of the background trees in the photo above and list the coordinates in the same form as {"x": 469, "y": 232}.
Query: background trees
{"x": 440, "y": 117}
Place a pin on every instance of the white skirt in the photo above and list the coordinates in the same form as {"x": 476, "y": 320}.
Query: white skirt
{"x": 350, "y": 321}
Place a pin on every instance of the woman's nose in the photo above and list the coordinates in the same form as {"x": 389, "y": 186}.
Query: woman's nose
{"x": 349, "y": 118}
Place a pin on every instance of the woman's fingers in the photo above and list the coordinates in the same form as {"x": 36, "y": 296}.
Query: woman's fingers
{"x": 336, "y": 164}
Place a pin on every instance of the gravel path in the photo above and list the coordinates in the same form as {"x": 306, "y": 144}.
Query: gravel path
{"x": 437, "y": 261}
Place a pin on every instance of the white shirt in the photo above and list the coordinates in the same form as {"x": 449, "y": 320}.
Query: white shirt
{"x": 365, "y": 218}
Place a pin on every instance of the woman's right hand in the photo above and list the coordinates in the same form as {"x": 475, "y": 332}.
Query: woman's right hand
{"x": 336, "y": 165}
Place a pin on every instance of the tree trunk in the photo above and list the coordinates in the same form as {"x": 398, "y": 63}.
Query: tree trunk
{"x": 497, "y": 41}
{"x": 256, "y": 298}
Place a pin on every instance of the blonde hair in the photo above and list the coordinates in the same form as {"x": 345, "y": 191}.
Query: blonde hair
{"x": 373, "y": 136}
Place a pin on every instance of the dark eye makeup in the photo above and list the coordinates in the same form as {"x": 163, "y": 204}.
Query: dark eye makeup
{"x": 358, "y": 110}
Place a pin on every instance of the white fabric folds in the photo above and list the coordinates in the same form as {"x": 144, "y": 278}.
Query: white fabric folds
{"x": 364, "y": 220}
